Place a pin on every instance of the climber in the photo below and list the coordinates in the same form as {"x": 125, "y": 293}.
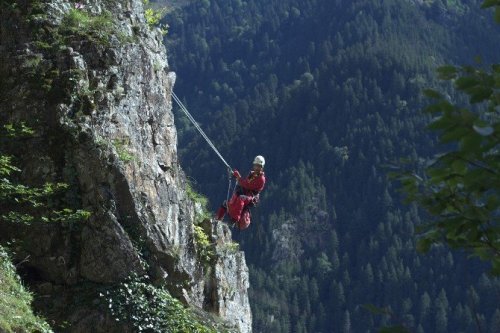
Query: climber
{"x": 246, "y": 195}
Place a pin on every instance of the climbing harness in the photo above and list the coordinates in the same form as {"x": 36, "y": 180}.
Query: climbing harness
{"x": 195, "y": 124}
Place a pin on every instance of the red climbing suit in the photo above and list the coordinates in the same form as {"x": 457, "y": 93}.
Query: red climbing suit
{"x": 246, "y": 196}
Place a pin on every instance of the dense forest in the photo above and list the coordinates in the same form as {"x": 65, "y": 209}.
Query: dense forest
{"x": 330, "y": 92}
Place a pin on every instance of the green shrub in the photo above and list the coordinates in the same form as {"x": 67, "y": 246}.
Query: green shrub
{"x": 96, "y": 28}
{"x": 154, "y": 16}
{"x": 16, "y": 314}
{"x": 232, "y": 247}
{"x": 122, "y": 151}
{"x": 151, "y": 309}
{"x": 203, "y": 213}
{"x": 203, "y": 244}
{"x": 20, "y": 203}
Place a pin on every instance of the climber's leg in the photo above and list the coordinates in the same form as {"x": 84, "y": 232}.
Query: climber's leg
{"x": 235, "y": 207}
{"x": 219, "y": 215}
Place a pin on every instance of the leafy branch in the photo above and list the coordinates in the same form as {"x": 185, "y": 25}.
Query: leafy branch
{"x": 25, "y": 204}
{"x": 154, "y": 16}
{"x": 460, "y": 188}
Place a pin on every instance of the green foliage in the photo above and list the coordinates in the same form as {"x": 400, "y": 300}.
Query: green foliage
{"x": 95, "y": 28}
{"x": 6, "y": 167}
{"x": 151, "y": 309}
{"x": 27, "y": 204}
{"x": 16, "y": 314}
{"x": 154, "y": 16}
{"x": 48, "y": 39}
{"x": 461, "y": 187}
{"x": 493, "y": 4}
{"x": 323, "y": 264}
{"x": 231, "y": 247}
{"x": 121, "y": 147}
{"x": 17, "y": 130}
{"x": 77, "y": 24}
{"x": 196, "y": 197}
{"x": 203, "y": 245}
{"x": 399, "y": 328}
{"x": 32, "y": 63}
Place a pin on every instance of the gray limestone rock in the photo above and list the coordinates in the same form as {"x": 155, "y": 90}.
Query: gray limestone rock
{"x": 102, "y": 113}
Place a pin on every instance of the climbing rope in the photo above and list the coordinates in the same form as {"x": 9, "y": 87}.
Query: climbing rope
{"x": 195, "y": 124}
{"x": 228, "y": 191}
{"x": 210, "y": 143}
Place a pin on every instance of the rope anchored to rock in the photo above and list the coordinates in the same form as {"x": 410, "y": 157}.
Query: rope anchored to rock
{"x": 200, "y": 130}
{"x": 207, "y": 139}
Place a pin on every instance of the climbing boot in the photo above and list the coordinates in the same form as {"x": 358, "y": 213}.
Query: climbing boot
{"x": 219, "y": 215}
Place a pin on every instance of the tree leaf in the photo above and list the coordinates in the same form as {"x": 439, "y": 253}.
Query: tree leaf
{"x": 471, "y": 144}
{"x": 484, "y": 131}
{"x": 430, "y": 93}
{"x": 466, "y": 82}
{"x": 489, "y": 3}
{"x": 447, "y": 72}
{"x": 479, "y": 94}
{"x": 423, "y": 245}
{"x": 496, "y": 266}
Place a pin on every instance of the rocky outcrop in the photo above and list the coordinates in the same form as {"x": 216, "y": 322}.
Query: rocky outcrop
{"x": 229, "y": 281}
{"x": 94, "y": 82}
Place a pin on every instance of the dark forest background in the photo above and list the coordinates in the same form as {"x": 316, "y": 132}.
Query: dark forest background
{"x": 330, "y": 92}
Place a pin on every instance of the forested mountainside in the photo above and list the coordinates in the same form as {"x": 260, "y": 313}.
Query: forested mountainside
{"x": 330, "y": 92}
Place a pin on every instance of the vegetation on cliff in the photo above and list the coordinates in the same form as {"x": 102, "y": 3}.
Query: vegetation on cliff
{"x": 69, "y": 205}
{"x": 16, "y": 313}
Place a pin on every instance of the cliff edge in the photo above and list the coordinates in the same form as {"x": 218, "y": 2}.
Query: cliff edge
{"x": 92, "y": 80}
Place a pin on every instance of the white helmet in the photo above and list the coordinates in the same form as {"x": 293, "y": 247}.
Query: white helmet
{"x": 259, "y": 160}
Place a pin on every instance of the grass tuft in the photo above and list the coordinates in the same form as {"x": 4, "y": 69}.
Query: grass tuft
{"x": 16, "y": 314}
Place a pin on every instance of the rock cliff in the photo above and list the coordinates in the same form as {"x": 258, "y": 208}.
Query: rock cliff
{"x": 92, "y": 79}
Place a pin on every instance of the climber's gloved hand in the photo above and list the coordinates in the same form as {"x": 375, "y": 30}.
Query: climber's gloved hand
{"x": 236, "y": 174}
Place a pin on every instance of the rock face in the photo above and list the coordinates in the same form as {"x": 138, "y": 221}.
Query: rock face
{"x": 229, "y": 300}
{"x": 95, "y": 85}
